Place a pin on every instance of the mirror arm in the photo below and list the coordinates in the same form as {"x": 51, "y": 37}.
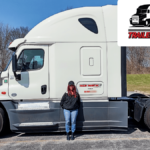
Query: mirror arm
{"x": 17, "y": 76}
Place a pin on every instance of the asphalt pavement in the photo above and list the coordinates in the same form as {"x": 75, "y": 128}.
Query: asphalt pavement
{"x": 137, "y": 137}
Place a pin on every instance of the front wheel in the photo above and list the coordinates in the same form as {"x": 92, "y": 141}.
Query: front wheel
{"x": 3, "y": 122}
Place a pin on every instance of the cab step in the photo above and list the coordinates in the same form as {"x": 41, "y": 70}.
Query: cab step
{"x": 35, "y": 124}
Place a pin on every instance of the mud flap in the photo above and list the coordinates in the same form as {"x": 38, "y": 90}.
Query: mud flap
{"x": 138, "y": 110}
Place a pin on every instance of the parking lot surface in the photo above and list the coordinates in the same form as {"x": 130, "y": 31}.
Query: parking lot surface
{"x": 137, "y": 137}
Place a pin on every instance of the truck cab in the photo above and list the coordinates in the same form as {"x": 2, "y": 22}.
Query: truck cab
{"x": 142, "y": 16}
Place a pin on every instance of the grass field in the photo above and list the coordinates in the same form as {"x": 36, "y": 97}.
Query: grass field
{"x": 139, "y": 82}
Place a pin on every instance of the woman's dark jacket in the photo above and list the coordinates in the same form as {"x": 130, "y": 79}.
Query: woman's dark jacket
{"x": 70, "y": 102}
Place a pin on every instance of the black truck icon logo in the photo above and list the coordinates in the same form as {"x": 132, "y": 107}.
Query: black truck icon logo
{"x": 142, "y": 16}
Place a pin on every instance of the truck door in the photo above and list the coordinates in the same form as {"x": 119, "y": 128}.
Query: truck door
{"x": 34, "y": 75}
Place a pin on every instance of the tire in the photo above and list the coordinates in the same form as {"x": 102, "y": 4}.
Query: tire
{"x": 147, "y": 117}
{"x": 3, "y": 122}
{"x": 136, "y": 95}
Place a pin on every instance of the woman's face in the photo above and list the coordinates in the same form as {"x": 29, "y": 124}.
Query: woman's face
{"x": 71, "y": 87}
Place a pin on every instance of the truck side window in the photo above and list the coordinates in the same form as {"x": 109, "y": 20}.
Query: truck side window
{"x": 90, "y": 24}
{"x": 34, "y": 59}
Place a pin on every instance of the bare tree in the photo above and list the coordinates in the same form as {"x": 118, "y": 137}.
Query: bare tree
{"x": 4, "y": 42}
{"x": 7, "y": 35}
{"x": 18, "y": 32}
{"x": 138, "y": 60}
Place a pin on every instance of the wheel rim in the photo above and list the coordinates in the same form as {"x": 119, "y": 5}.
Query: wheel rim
{"x": 1, "y": 122}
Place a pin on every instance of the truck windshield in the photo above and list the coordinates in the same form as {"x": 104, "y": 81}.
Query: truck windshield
{"x": 141, "y": 11}
{"x": 8, "y": 63}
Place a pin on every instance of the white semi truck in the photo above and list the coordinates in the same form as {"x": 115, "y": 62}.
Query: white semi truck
{"x": 79, "y": 45}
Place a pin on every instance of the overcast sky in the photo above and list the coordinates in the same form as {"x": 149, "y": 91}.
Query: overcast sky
{"x": 29, "y": 13}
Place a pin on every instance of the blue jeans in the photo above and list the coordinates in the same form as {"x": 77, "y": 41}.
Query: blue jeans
{"x": 70, "y": 115}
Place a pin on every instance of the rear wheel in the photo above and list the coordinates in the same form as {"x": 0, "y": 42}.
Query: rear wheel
{"x": 147, "y": 117}
{"x": 3, "y": 122}
{"x": 136, "y": 95}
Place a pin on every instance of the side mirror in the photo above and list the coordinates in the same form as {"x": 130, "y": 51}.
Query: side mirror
{"x": 14, "y": 62}
{"x": 14, "y": 67}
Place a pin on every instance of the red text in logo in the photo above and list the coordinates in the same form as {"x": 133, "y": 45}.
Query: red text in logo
{"x": 90, "y": 85}
{"x": 140, "y": 35}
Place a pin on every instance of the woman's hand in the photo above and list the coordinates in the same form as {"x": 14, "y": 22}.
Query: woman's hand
{"x": 62, "y": 100}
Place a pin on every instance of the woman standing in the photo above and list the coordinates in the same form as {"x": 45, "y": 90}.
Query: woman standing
{"x": 70, "y": 103}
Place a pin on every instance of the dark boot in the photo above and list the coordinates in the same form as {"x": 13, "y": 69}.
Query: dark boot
{"x": 68, "y": 137}
{"x": 72, "y": 136}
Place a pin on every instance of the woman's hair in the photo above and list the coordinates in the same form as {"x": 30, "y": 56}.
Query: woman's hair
{"x": 74, "y": 90}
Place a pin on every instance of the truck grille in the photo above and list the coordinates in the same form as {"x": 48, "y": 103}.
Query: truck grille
{"x": 135, "y": 19}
